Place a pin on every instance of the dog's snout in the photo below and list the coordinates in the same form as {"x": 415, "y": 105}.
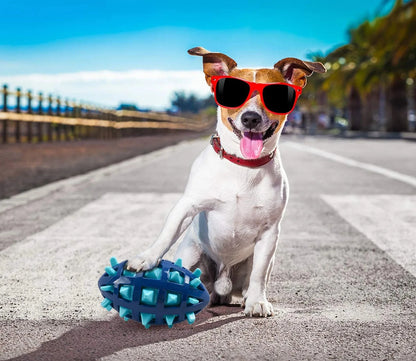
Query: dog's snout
{"x": 250, "y": 119}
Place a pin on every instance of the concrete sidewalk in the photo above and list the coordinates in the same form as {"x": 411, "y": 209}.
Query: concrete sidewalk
{"x": 336, "y": 293}
{"x": 29, "y": 165}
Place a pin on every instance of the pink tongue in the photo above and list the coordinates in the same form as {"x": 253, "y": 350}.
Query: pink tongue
{"x": 251, "y": 145}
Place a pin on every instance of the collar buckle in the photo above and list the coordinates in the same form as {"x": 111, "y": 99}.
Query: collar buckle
{"x": 215, "y": 137}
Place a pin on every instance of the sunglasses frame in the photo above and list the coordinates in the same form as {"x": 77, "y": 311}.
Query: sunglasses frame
{"x": 253, "y": 87}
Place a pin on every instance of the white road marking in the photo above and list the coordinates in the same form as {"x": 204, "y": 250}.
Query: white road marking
{"x": 354, "y": 163}
{"x": 95, "y": 175}
{"x": 53, "y": 274}
{"x": 387, "y": 220}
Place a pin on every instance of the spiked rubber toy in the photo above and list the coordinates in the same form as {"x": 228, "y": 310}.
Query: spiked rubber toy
{"x": 164, "y": 295}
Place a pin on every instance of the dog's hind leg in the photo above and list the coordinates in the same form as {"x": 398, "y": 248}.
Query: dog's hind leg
{"x": 192, "y": 254}
{"x": 189, "y": 250}
{"x": 240, "y": 276}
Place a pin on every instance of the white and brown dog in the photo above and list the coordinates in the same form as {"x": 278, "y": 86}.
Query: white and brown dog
{"x": 237, "y": 190}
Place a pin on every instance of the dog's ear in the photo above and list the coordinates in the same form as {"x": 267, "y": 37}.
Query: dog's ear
{"x": 295, "y": 71}
{"x": 214, "y": 63}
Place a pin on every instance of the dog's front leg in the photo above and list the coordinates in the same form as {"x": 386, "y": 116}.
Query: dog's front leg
{"x": 178, "y": 220}
{"x": 255, "y": 299}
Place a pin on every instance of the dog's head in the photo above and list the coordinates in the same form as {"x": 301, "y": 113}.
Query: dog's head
{"x": 251, "y": 129}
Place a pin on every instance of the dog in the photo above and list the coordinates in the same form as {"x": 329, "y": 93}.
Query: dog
{"x": 233, "y": 204}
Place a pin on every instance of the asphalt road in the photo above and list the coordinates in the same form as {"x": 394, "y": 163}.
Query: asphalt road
{"x": 343, "y": 286}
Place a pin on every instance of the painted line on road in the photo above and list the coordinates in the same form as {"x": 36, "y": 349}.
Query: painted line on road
{"x": 354, "y": 163}
{"x": 53, "y": 274}
{"x": 95, "y": 175}
{"x": 387, "y": 220}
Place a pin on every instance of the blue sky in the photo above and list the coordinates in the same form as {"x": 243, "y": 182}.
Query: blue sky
{"x": 111, "y": 39}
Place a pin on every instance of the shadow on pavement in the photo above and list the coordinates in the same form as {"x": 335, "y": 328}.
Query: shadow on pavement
{"x": 96, "y": 339}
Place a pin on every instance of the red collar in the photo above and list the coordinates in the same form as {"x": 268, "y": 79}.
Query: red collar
{"x": 251, "y": 163}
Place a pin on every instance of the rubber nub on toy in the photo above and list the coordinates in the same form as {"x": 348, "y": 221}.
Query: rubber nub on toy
{"x": 126, "y": 292}
{"x": 147, "y": 319}
{"x": 149, "y": 296}
{"x": 169, "y": 320}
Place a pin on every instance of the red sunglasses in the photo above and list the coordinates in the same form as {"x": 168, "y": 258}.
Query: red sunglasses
{"x": 278, "y": 98}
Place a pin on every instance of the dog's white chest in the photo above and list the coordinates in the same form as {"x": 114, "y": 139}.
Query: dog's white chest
{"x": 235, "y": 225}
{"x": 244, "y": 205}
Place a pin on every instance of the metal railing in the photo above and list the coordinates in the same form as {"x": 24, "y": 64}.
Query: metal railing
{"x": 38, "y": 118}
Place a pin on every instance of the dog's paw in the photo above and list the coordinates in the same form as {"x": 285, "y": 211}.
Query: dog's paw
{"x": 142, "y": 262}
{"x": 258, "y": 308}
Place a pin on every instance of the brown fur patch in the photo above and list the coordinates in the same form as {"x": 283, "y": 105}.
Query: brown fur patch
{"x": 269, "y": 76}
{"x": 257, "y": 76}
{"x": 246, "y": 74}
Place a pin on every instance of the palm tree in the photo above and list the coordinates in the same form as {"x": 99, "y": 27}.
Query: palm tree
{"x": 380, "y": 56}
{"x": 342, "y": 81}
{"x": 395, "y": 55}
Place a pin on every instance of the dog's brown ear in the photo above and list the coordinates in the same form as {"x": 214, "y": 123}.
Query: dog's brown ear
{"x": 295, "y": 71}
{"x": 213, "y": 63}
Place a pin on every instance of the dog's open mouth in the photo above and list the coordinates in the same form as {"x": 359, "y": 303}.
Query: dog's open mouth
{"x": 251, "y": 143}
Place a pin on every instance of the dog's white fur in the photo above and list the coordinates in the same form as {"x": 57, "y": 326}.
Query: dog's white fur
{"x": 231, "y": 215}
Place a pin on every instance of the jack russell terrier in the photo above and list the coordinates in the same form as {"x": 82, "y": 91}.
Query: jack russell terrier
{"x": 237, "y": 189}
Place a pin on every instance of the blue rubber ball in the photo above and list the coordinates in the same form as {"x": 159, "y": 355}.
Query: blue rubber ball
{"x": 164, "y": 295}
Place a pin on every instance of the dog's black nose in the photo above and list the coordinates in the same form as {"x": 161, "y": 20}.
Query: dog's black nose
{"x": 250, "y": 119}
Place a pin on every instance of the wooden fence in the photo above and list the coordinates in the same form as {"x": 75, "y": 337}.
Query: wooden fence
{"x": 39, "y": 118}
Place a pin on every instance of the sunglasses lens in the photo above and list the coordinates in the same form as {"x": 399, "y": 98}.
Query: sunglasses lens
{"x": 279, "y": 98}
{"x": 231, "y": 92}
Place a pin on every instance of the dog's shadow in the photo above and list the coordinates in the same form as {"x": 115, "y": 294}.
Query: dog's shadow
{"x": 96, "y": 339}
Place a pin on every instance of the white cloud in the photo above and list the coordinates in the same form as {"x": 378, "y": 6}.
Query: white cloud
{"x": 146, "y": 88}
